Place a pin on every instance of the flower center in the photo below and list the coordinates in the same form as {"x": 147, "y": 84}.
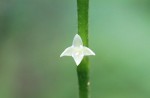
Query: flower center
{"x": 77, "y": 53}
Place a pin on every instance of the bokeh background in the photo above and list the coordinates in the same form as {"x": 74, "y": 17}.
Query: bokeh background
{"x": 33, "y": 33}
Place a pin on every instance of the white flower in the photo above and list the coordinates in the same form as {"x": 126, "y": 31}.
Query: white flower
{"x": 77, "y": 50}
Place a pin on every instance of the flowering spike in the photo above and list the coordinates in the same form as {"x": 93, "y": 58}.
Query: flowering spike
{"x": 77, "y": 50}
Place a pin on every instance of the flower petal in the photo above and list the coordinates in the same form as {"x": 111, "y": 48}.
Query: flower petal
{"x": 78, "y": 58}
{"x": 77, "y": 41}
{"x": 87, "y": 51}
{"x": 67, "y": 52}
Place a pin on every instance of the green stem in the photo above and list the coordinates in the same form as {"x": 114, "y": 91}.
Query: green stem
{"x": 83, "y": 68}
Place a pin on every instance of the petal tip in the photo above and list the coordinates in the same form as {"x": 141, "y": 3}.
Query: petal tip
{"x": 78, "y": 59}
{"x": 61, "y": 55}
{"x": 93, "y": 54}
{"x": 77, "y": 63}
{"x": 77, "y": 36}
{"x": 77, "y": 41}
{"x": 88, "y": 51}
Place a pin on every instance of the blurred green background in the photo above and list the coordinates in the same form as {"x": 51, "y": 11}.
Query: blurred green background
{"x": 33, "y": 34}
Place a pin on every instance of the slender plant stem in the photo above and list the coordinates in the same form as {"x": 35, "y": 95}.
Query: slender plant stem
{"x": 83, "y": 68}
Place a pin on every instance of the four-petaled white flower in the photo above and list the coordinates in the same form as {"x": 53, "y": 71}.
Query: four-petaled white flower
{"x": 77, "y": 50}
